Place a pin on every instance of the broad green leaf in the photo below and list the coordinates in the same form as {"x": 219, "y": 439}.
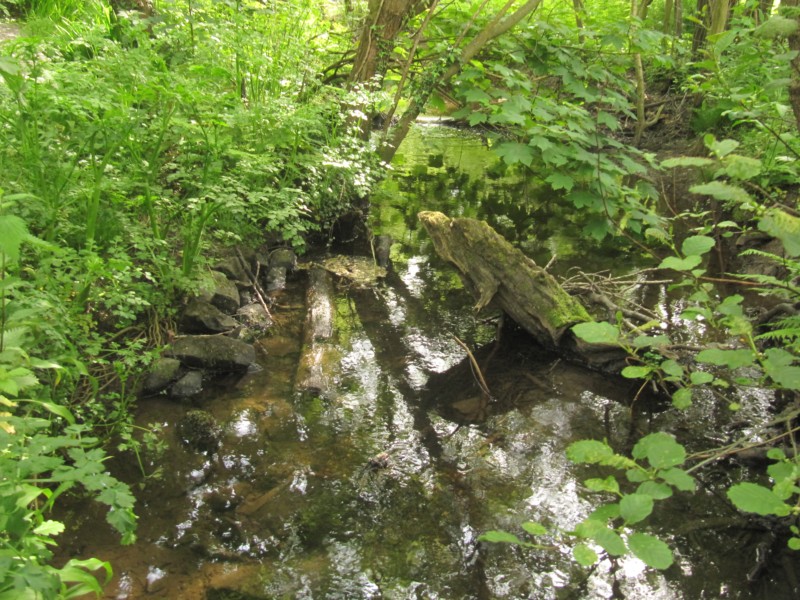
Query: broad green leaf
{"x": 722, "y": 147}
{"x": 534, "y": 528}
{"x": 751, "y": 497}
{"x": 733, "y": 359}
{"x": 678, "y": 478}
{"x": 560, "y": 181}
{"x": 636, "y": 372}
{"x": 599, "y": 532}
{"x": 477, "y": 95}
{"x": 604, "y": 513}
{"x": 783, "y": 226}
{"x": 636, "y": 475}
{"x": 680, "y": 264}
{"x": 778, "y": 365}
{"x": 501, "y": 537}
{"x": 609, "y": 484}
{"x": 722, "y": 191}
{"x": 697, "y": 245}
{"x": 672, "y": 368}
{"x": 597, "y": 332}
{"x": 682, "y": 398}
{"x": 589, "y": 451}
{"x": 742, "y": 167}
{"x": 700, "y": 377}
{"x": 654, "y": 489}
{"x": 660, "y": 449}
{"x": 514, "y": 152}
{"x": 687, "y": 161}
{"x": 584, "y": 555}
{"x": 776, "y": 26}
{"x": 635, "y": 507}
{"x": 794, "y": 543}
{"x": 477, "y": 118}
{"x": 650, "y": 550}
{"x": 13, "y": 231}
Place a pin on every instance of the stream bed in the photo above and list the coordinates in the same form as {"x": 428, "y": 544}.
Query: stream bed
{"x": 381, "y": 488}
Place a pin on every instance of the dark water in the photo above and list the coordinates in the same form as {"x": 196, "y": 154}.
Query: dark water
{"x": 381, "y": 489}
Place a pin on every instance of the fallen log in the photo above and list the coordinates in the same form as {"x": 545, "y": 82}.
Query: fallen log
{"x": 320, "y": 356}
{"x": 496, "y": 272}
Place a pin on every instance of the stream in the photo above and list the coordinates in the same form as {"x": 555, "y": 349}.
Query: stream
{"x": 381, "y": 489}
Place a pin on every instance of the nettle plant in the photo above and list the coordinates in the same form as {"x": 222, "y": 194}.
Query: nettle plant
{"x": 657, "y": 466}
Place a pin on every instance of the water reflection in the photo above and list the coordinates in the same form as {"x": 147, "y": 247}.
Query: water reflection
{"x": 382, "y": 489}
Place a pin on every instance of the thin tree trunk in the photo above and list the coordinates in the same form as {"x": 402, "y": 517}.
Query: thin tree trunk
{"x": 719, "y": 16}
{"x": 497, "y": 27}
{"x": 577, "y": 5}
{"x": 678, "y": 19}
{"x": 794, "y": 44}
{"x": 668, "y": 9}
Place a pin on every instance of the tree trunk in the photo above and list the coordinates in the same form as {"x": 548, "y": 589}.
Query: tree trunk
{"x": 495, "y": 272}
{"x": 498, "y": 26}
{"x": 319, "y": 358}
{"x": 577, "y": 5}
{"x": 794, "y": 44}
{"x": 718, "y": 20}
{"x": 668, "y": 9}
{"x": 385, "y": 20}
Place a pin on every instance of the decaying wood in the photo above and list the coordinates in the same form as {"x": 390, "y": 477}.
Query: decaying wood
{"x": 320, "y": 355}
{"x": 496, "y": 272}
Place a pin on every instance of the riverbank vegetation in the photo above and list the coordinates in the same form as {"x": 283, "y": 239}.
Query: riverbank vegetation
{"x": 139, "y": 139}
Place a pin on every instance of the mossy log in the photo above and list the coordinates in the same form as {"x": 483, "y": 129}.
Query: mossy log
{"x": 496, "y": 272}
{"x": 493, "y": 270}
{"x": 320, "y": 356}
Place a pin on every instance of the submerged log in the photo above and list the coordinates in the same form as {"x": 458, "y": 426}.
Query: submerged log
{"x": 496, "y": 272}
{"x": 320, "y": 356}
{"x": 493, "y": 270}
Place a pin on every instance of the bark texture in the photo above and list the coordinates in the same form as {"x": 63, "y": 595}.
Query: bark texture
{"x": 493, "y": 270}
{"x": 320, "y": 357}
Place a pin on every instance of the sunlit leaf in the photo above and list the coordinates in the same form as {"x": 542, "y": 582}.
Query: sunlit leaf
{"x": 597, "y": 332}
{"x": 783, "y": 226}
{"x": 584, "y": 555}
{"x": 722, "y": 191}
{"x": 697, "y": 245}
{"x": 680, "y": 264}
{"x": 515, "y": 152}
{"x": 589, "y": 451}
{"x": 660, "y": 449}
{"x": 751, "y": 497}
{"x": 733, "y": 359}
{"x": 500, "y": 537}
{"x": 650, "y": 550}
{"x": 635, "y": 507}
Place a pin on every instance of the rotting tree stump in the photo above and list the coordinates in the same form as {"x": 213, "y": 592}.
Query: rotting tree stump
{"x": 496, "y": 272}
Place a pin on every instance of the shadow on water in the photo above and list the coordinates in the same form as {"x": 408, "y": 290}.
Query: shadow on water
{"x": 382, "y": 489}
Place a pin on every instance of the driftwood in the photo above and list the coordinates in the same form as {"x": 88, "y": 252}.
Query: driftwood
{"x": 320, "y": 357}
{"x": 495, "y": 272}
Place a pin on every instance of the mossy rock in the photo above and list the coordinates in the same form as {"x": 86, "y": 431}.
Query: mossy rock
{"x": 199, "y": 431}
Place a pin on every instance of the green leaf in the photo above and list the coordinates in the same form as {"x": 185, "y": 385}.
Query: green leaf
{"x": 589, "y": 452}
{"x": 680, "y": 264}
{"x": 783, "y": 226}
{"x": 635, "y": 507}
{"x": 514, "y": 152}
{"x": 687, "y": 161}
{"x": 654, "y": 489}
{"x": 794, "y": 543}
{"x": 534, "y": 528}
{"x": 722, "y": 191}
{"x": 678, "y": 478}
{"x": 650, "y": 550}
{"x": 777, "y": 364}
{"x": 477, "y": 118}
{"x": 560, "y": 181}
{"x": 682, "y": 398}
{"x": 742, "y": 167}
{"x": 584, "y": 555}
{"x": 697, "y": 245}
{"x": 722, "y": 147}
{"x": 660, "y": 449}
{"x": 672, "y": 369}
{"x": 597, "y": 332}
{"x": 609, "y": 484}
{"x": 13, "y": 231}
{"x": 501, "y": 537}
{"x": 49, "y": 528}
{"x": 754, "y": 498}
{"x": 733, "y": 359}
{"x": 635, "y": 372}
{"x": 700, "y": 377}
{"x": 477, "y": 95}
{"x": 599, "y": 532}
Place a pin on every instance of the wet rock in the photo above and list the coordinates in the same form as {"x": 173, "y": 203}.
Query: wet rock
{"x": 199, "y": 431}
{"x": 223, "y": 499}
{"x": 162, "y": 372}
{"x": 189, "y": 385}
{"x": 213, "y": 352}
{"x": 284, "y": 258}
{"x": 223, "y": 293}
{"x": 200, "y": 316}
{"x": 383, "y": 248}
{"x": 233, "y": 269}
{"x": 253, "y": 316}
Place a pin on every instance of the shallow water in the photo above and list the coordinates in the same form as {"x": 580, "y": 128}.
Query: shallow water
{"x": 381, "y": 489}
